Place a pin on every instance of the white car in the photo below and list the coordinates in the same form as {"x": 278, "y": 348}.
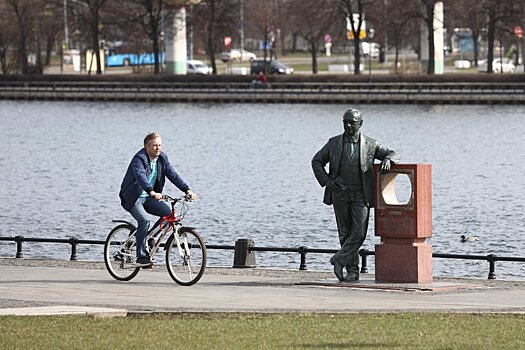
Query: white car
{"x": 497, "y": 66}
{"x": 198, "y": 67}
{"x": 234, "y": 55}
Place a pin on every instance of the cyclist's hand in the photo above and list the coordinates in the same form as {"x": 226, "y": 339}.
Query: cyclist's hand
{"x": 190, "y": 195}
{"x": 155, "y": 195}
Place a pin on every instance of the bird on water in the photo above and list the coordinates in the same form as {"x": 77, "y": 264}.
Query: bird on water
{"x": 469, "y": 238}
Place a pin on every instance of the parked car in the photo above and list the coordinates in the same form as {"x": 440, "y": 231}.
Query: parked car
{"x": 270, "y": 67}
{"x": 497, "y": 66}
{"x": 234, "y": 55}
{"x": 198, "y": 67}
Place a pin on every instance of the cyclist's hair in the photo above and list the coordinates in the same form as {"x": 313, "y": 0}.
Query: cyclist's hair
{"x": 150, "y": 137}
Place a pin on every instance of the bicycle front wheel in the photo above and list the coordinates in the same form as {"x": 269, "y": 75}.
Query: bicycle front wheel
{"x": 119, "y": 253}
{"x": 186, "y": 257}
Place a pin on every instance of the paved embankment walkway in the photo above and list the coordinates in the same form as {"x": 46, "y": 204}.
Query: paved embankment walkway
{"x": 59, "y": 287}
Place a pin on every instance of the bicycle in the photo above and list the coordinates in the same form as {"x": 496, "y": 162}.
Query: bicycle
{"x": 186, "y": 254}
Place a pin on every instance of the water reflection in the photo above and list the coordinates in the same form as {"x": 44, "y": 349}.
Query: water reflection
{"x": 250, "y": 163}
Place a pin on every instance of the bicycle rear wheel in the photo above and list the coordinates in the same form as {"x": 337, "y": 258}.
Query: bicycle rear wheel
{"x": 119, "y": 253}
{"x": 186, "y": 262}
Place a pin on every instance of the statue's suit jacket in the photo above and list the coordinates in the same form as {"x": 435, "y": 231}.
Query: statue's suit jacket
{"x": 331, "y": 153}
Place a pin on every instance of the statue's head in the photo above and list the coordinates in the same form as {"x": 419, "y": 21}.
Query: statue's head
{"x": 352, "y": 121}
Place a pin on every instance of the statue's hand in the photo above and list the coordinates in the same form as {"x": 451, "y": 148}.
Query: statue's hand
{"x": 334, "y": 186}
{"x": 386, "y": 164}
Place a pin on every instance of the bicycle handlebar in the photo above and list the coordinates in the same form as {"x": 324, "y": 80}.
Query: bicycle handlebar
{"x": 168, "y": 198}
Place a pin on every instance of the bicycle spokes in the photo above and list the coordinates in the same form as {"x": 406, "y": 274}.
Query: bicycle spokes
{"x": 186, "y": 257}
{"x": 119, "y": 253}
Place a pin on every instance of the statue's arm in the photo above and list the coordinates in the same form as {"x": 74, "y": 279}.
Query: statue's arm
{"x": 387, "y": 157}
{"x": 383, "y": 152}
{"x": 319, "y": 162}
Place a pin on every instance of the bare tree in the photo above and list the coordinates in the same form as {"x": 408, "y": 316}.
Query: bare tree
{"x": 22, "y": 16}
{"x": 312, "y": 20}
{"x": 48, "y": 28}
{"x": 351, "y": 8}
{"x": 398, "y": 23}
{"x": 89, "y": 12}
{"x": 8, "y": 42}
{"x": 423, "y": 10}
{"x": 216, "y": 18}
{"x": 262, "y": 19}
{"x": 469, "y": 14}
{"x": 148, "y": 16}
{"x": 499, "y": 15}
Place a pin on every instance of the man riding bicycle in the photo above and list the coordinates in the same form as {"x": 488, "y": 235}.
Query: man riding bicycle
{"x": 141, "y": 189}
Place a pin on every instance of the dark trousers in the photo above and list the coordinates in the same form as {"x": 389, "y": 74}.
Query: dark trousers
{"x": 351, "y": 215}
{"x": 142, "y": 207}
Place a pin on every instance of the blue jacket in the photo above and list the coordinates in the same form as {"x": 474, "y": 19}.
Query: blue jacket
{"x": 136, "y": 179}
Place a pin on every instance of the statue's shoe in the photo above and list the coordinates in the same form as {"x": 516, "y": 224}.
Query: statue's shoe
{"x": 338, "y": 268}
{"x": 351, "y": 277}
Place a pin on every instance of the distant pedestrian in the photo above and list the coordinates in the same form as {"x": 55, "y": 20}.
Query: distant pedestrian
{"x": 261, "y": 80}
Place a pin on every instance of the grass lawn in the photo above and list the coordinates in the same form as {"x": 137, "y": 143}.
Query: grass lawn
{"x": 272, "y": 331}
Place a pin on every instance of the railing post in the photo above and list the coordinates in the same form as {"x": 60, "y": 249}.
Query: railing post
{"x": 364, "y": 265}
{"x": 491, "y": 258}
{"x": 19, "y": 240}
{"x": 303, "y": 250}
{"x": 73, "y": 241}
{"x": 243, "y": 256}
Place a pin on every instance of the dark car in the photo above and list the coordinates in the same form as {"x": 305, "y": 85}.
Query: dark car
{"x": 270, "y": 67}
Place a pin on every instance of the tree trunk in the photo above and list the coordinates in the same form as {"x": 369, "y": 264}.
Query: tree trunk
{"x": 49, "y": 48}
{"x": 22, "y": 38}
{"x": 294, "y": 42}
{"x": 211, "y": 49}
{"x": 155, "y": 40}
{"x": 38, "y": 53}
{"x": 96, "y": 48}
{"x": 210, "y": 32}
{"x": 491, "y": 34}
{"x": 357, "y": 55}
{"x": 313, "y": 46}
{"x": 430, "y": 29}
{"x": 475, "y": 42}
{"x": 396, "y": 60}
{"x": 521, "y": 42}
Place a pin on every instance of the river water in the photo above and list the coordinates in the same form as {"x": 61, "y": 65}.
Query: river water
{"x": 62, "y": 164}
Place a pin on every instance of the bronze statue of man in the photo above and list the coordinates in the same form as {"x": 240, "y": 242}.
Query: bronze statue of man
{"x": 350, "y": 187}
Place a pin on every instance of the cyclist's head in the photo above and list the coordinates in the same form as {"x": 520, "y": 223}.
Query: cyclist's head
{"x": 153, "y": 145}
{"x": 150, "y": 137}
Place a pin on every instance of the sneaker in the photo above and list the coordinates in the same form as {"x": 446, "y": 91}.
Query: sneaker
{"x": 144, "y": 261}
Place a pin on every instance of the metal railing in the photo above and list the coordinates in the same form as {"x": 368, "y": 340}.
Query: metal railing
{"x": 302, "y": 251}
{"x": 490, "y": 258}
